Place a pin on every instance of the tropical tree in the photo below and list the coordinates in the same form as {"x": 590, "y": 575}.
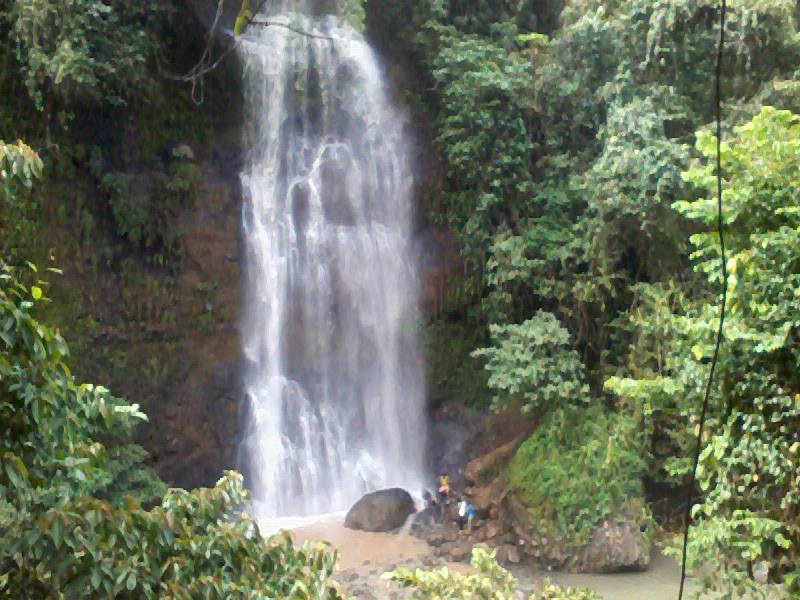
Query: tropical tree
{"x": 747, "y": 519}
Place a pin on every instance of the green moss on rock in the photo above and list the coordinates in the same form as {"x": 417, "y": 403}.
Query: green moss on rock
{"x": 579, "y": 469}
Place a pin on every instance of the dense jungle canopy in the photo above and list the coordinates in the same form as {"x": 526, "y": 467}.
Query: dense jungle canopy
{"x": 569, "y": 153}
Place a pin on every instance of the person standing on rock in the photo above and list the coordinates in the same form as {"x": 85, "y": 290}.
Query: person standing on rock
{"x": 443, "y": 496}
{"x": 470, "y": 516}
{"x": 444, "y": 486}
{"x": 462, "y": 514}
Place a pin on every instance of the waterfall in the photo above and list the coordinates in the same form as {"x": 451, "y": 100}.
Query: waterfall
{"x": 334, "y": 379}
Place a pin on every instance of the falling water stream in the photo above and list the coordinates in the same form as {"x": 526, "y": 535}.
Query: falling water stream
{"x": 334, "y": 379}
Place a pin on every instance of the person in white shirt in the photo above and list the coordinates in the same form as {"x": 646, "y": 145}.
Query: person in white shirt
{"x": 462, "y": 513}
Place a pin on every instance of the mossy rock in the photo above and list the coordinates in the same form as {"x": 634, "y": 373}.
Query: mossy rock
{"x": 579, "y": 479}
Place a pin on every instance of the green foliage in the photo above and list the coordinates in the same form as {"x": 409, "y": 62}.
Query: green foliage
{"x": 353, "y": 12}
{"x": 579, "y": 468}
{"x": 18, "y": 163}
{"x": 553, "y": 591}
{"x": 659, "y": 385}
{"x": 747, "y": 515}
{"x": 533, "y": 361}
{"x": 762, "y": 222}
{"x": 624, "y": 48}
{"x": 489, "y": 582}
{"x": 755, "y": 442}
{"x": 83, "y": 49}
{"x": 748, "y": 518}
{"x": 563, "y": 153}
{"x": 614, "y": 101}
{"x": 637, "y": 173}
{"x": 145, "y": 207}
{"x": 19, "y": 166}
{"x": 762, "y": 233}
{"x": 485, "y": 96}
{"x": 573, "y": 214}
{"x": 109, "y": 110}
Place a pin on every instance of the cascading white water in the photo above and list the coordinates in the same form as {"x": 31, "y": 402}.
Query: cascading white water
{"x": 335, "y": 380}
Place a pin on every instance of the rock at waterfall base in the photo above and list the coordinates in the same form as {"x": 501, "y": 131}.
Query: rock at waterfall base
{"x": 615, "y": 548}
{"x": 380, "y": 511}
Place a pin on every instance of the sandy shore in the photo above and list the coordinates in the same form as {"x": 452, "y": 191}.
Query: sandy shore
{"x": 359, "y": 548}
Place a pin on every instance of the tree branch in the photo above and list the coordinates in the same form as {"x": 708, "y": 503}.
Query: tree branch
{"x": 205, "y": 66}
{"x": 293, "y": 29}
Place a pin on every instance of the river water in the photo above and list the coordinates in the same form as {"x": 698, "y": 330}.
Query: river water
{"x": 661, "y": 581}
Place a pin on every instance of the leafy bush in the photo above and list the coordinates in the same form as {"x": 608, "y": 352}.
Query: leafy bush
{"x": 533, "y": 360}
{"x": 72, "y": 486}
{"x": 579, "y": 468}
{"x": 19, "y": 166}
{"x": 486, "y": 103}
{"x": 490, "y": 582}
{"x": 84, "y": 49}
{"x": 553, "y": 591}
{"x": 747, "y": 520}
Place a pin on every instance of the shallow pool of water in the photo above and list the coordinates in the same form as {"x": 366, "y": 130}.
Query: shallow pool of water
{"x": 661, "y": 581}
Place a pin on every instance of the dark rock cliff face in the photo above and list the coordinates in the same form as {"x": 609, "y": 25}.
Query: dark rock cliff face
{"x": 194, "y": 408}
{"x": 168, "y": 339}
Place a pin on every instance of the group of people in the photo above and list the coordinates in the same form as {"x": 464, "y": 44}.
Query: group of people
{"x": 444, "y": 499}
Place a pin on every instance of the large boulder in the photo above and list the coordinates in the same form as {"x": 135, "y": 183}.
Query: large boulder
{"x": 383, "y": 510}
{"x": 616, "y": 547}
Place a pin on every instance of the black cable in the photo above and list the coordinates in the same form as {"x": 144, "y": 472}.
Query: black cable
{"x": 720, "y": 231}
